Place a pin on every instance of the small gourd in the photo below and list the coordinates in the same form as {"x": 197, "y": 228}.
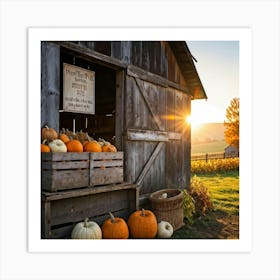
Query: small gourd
{"x": 48, "y": 133}
{"x": 57, "y": 146}
{"x": 108, "y": 147}
{"x": 115, "y": 228}
{"x": 86, "y": 230}
{"x": 64, "y": 137}
{"x": 44, "y": 147}
{"x": 165, "y": 229}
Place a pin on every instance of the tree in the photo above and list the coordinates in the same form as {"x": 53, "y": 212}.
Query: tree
{"x": 232, "y": 123}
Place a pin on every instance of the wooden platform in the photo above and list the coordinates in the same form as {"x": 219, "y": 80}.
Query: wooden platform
{"x": 62, "y": 210}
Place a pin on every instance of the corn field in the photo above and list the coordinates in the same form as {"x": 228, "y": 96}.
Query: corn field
{"x": 214, "y": 165}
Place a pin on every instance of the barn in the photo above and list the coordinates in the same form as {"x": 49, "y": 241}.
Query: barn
{"x": 142, "y": 95}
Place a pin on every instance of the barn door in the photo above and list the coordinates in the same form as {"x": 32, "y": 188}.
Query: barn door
{"x": 150, "y": 138}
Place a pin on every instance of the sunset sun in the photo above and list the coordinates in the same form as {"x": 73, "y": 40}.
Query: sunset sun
{"x": 194, "y": 122}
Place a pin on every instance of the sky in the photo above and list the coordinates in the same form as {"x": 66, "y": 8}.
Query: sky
{"x": 218, "y": 68}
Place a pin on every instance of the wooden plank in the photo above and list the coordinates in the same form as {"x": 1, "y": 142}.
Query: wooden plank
{"x": 45, "y": 219}
{"x": 134, "y": 195}
{"x": 50, "y": 84}
{"x": 174, "y": 135}
{"x": 116, "y": 49}
{"x": 65, "y": 165}
{"x": 93, "y": 55}
{"x": 64, "y": 156}
{"x": 49, "y": 196}
{"x": 126, "y": 52}
{"x": 137, "y": 72}
{"x": 54, "y": 180}
{"x": 106, "y": 156}
{"x": 146, "y": 135}
{"x": 149, "y": 163}
{"x": 102, "y": 176}
{"x": 149, "y": 135}
{"x": 78, "y": 208}
{"x": 106, "y": 168}
{"x": 136, "y": 53}
{"x": 187, "y": 146}
{"x": 106, "y": 163}
{"x": 156, "y": 118}
{"x": 120, "y": 110}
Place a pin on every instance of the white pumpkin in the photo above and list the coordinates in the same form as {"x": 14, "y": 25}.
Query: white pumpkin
{"x": 57, "y": 146}
{"x": 86, "y": 230}
{"x": 165, "y": 229}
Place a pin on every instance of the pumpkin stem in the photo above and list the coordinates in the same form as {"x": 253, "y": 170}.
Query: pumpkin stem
{"x": 86, "y": 222}
{"x": 143, "y": 212}
{"x": 45, "y": 142}
{"x": 113, "y": 220}
{"x": 47, "y": 127}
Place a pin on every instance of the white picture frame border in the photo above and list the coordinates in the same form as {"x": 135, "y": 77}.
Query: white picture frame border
{"x": 244, "y": 243}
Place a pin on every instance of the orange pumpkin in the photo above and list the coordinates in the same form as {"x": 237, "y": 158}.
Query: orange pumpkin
{"x": 109, "y": 148}
{"x": 114, "y": 228}
{"x": 92, "y": 146}
{"x": 64, "y": 137}
{"x": 44, "y": 147}
{"x": 142, "y": 224}
{"x": 48, "y": 133}
{"x": 74, "y": 146}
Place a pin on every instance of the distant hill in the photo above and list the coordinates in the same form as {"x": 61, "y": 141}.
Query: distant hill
{"x": 208, "y": 132}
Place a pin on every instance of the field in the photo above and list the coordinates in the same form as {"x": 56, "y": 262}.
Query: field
{"x": 223, "y": 221}
{"x": 224, "y": 191}
{"x": 208, "y": 147}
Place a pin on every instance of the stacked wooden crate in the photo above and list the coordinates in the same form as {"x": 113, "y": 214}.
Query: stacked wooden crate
{"x": 76, "y": 186}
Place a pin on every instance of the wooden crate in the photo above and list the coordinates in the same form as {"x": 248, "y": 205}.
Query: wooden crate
{"x": 62, "y": 171}
{"x": 62, "y": 210}
{"x": 65, "y": 171}
{"x": 106, "y": 168}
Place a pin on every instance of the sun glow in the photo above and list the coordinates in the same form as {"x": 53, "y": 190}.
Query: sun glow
{"x": 194, "y": 123}
{"x": 188, "y": 119}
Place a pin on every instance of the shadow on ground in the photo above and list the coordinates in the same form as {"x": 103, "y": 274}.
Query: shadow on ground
{"x": 214, "y": 225}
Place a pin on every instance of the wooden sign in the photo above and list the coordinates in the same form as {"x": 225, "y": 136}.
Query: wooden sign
{"x": 78, "y": 89}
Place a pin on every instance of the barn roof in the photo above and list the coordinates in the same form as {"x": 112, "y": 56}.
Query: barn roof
{"x": 187, "y": 66}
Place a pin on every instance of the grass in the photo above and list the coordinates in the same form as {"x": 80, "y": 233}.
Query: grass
{"x": 223, "y": 222}
{"x": 224, "y": 191}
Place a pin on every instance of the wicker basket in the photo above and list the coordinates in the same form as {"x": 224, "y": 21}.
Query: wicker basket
{"x": 169, "y": 209}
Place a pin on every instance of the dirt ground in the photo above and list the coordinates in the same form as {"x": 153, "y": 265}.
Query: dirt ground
{"x": 214, "y": 225}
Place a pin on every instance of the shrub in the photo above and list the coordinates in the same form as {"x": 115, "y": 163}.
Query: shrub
{"x": 188, "y": 206}
{"x": 201, "y": 196}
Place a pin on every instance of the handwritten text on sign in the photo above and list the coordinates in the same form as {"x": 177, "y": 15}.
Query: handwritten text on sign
{"x": 78, "y": 89}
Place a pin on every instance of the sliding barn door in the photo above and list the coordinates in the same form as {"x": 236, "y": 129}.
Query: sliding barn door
{"x": 156, "y": 138}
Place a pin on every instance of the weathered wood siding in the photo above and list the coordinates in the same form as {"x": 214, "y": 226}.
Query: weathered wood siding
{"x": 50, "y": 84}
{"x": 154, "y": 56}
{"x": 157, "y": 146}
{"x": 152, "y": 101}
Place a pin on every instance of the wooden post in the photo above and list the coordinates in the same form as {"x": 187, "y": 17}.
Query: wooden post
{"x": 50, "y": 84}
{"x": 206, "y": 157}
